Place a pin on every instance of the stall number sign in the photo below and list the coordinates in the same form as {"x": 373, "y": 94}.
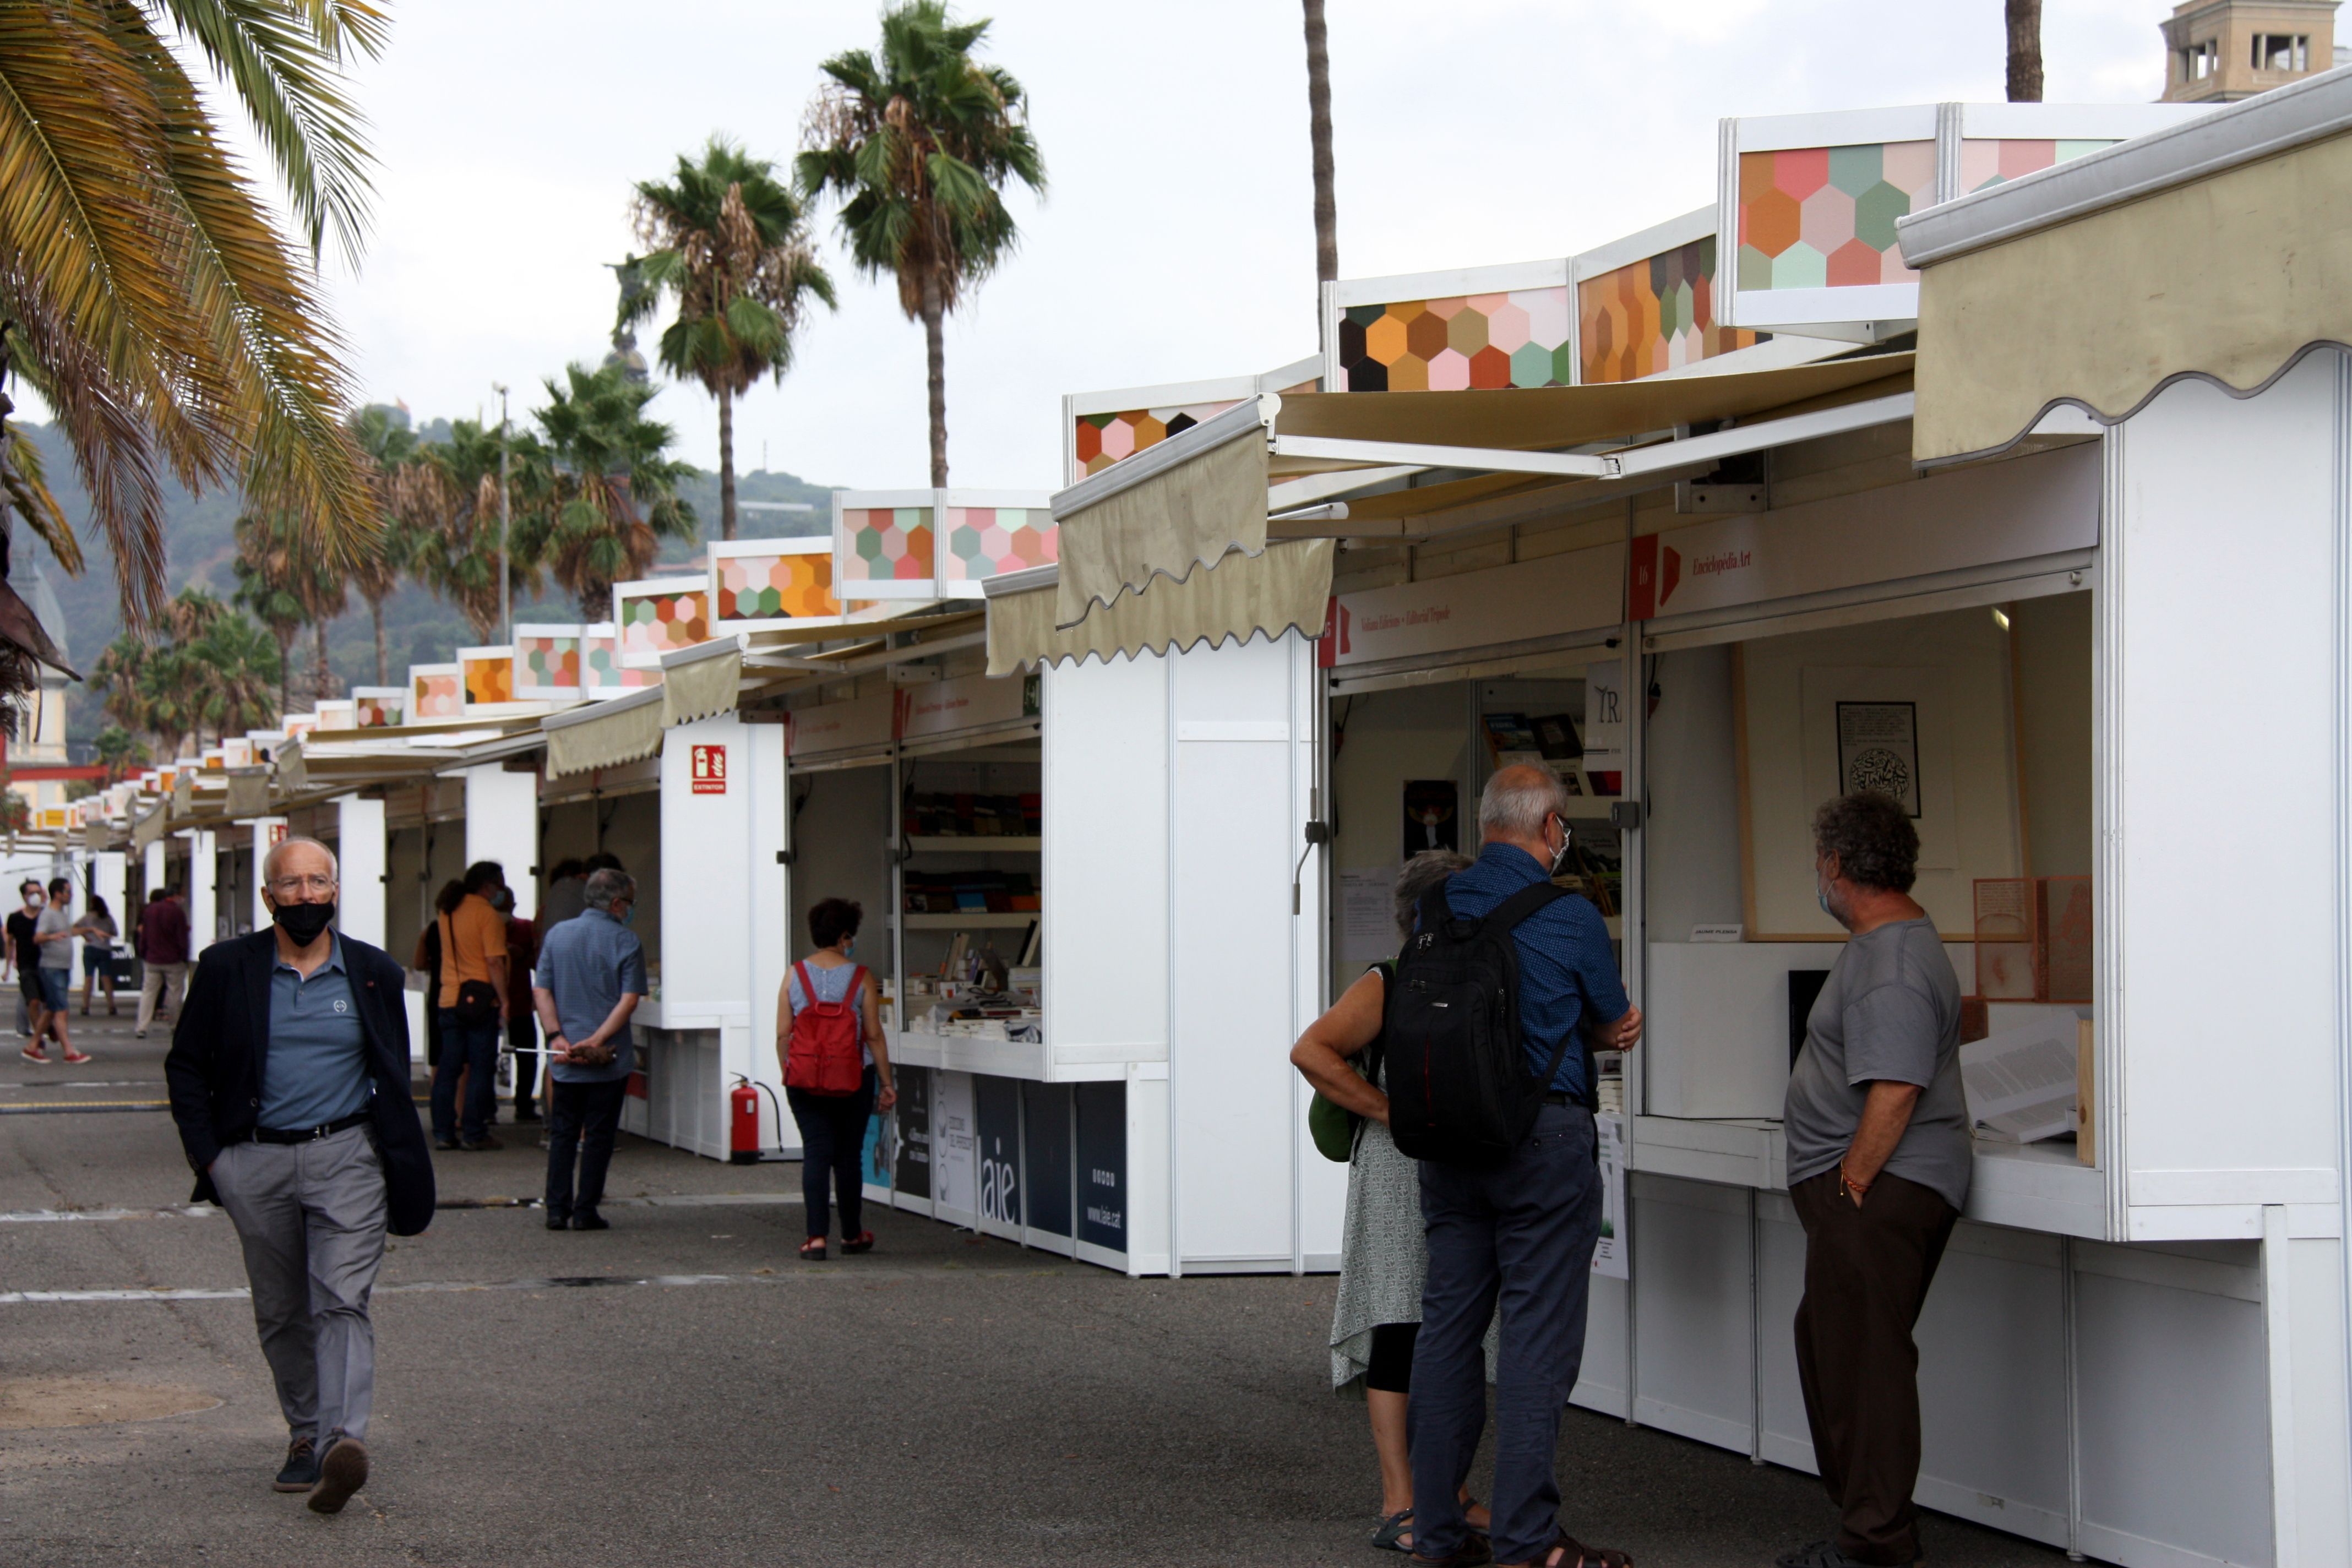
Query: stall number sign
{"x": 710, "y": 769}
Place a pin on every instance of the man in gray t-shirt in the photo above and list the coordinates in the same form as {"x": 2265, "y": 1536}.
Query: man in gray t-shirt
{"x": 1878, "y": 1170}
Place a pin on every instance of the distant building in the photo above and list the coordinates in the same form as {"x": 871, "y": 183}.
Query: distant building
{"x": 40, "y": 743}
{"x": 2218, "y": 51}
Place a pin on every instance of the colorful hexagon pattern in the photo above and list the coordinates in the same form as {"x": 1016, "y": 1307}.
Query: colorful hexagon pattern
{"x": 983, "y": 540}
{"x": 662, "y": 621}
{"x": 1992, "y": 161}
{"x": 1517, "y": 339}
{"x": 1098, "y": 440}
{"x": 1653, "y": 315}
{"x": 602, "y": 674}
{"x": 488, "y": 676}
{"x": 378, "y": 706}
{"x": 886, "y": 545}
{"x": 1823, "y": 218}
{"x": 437, "y": 693}
{"x": 779, "y": 585}
{"x": 547, "y": 663}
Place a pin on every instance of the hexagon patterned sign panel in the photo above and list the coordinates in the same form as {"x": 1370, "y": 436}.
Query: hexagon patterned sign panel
{"x": 546, "y": 663}
{"x": 436, "y": 692}
{"x": 1823, "y": 218}
{"x": 660, "y": 615}
{"x": 983, "y": 542}
{"x": 1653, "y": 315}
{"x": 885, "y": 547}
{"x": 1515, "y": 339}
{"x": 774, "y": 580}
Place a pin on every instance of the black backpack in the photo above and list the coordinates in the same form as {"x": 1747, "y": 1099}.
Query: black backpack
{"x": 1458, "y": 1084}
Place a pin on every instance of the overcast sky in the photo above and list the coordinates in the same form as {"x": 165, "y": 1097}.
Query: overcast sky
{"x": 1176, "y": 242}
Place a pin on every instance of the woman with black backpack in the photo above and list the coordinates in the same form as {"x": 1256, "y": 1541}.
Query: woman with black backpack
{"x": 1382, "y": 1257}
{"x": 836, "y": 1070}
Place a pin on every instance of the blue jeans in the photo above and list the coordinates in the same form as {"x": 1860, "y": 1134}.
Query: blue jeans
{"x": 463, "y": 1047}
{"x": 57, "y": 987}
{"x": 1518, "y": 1237}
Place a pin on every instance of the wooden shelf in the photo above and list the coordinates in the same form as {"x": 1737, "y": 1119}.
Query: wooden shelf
{"x": 976, "y": 844}
{"x": 969, "y": 919}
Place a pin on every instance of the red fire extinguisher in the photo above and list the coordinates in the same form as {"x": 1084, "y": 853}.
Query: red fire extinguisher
{"x": 743, "y": 1116}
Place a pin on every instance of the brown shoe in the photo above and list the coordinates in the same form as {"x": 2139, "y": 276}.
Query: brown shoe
{"x": 476, "y": 1145}
{"x": 343, "y": 1471}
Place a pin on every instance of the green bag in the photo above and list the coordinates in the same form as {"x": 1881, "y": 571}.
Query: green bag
{"x": 1333, "y": 1127}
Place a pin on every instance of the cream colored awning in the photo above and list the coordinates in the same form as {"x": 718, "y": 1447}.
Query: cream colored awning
{"x": 700, "y": 681}
{"x": 1285, "y": 586}
{"x": 1182, "y": 506}
{"x": 248, "y": 794}
{"x": 2217, "y": 248}
{"x": 148, "y": 827}
{"x": 606, "y": 734}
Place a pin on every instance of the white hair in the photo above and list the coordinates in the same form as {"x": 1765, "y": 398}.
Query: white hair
{"x": 1517, "y": 800}
{"x": 269, "y": 861}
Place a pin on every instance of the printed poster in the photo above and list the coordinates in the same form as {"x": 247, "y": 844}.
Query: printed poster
{"x": 1367, "y": 914}
{"x": 1609, "y": 1254}
{"x": 955, "y": 1179}
{"x": 1102, "y": 1166}
{"x": 1878, "y": 751}
{"x": 1433, "y": 814}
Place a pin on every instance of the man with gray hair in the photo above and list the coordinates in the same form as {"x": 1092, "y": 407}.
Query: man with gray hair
{"x": 1517, "y": 1236}
{"x": 289, "y": 1075}
{"x": 591, "y": 975}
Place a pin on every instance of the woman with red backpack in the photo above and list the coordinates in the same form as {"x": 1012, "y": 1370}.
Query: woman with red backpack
{"x": 836, "y": 1071}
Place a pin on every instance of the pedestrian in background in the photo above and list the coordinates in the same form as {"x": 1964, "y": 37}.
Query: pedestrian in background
{"x": 1382, "y": 1259}
{"x": 472, "y": 1001}
{"x": 53, "y": 934}
{"x": 24, "y": 956}
{"x": 836, "y": 1072}
{"x": 523, "y": 1028}
{"x": 162, "y": 955}
{"x": 567, "y": 894}
{"x": 590, "y": 978}
{"x": 98, "y": 931}
{"x": 1516, "y": 1239}
{"x": 1878, "y": 1170}
{"x": 289, "y": 1076}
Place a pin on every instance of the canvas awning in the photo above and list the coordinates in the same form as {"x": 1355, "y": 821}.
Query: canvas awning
{"x": 605, "y": 734}
{"x": 702, "y": 680}
{"x": 1284, "y": 586}
{"x": 2216, "y": 248}
{"x": 1203, "y": 499}
{"x": 147, "y": 827}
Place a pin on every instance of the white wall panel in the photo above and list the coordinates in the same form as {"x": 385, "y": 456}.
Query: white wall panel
{"x": 2223, "y": 612}
{"x": 502, "y": 825}
{"x": 1691, "y": 1301}
{"x": 363, "y": 849}
{"x": 1993, "y": 1383}
{"x": 706, "y": 886}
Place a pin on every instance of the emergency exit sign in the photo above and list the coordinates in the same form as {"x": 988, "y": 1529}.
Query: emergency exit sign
{"x": 710, "y": 769}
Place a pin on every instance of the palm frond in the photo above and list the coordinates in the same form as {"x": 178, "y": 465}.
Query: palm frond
{"x": 28, "y": 492}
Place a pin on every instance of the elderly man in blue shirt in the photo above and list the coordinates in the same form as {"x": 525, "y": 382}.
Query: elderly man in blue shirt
{"x": 591, "y": 976}
{"x": 289, "y": 1076}
{"x": 1516, "y": 1237}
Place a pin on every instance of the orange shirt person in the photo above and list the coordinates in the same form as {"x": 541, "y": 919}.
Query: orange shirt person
{"x": 472, "y": 1006}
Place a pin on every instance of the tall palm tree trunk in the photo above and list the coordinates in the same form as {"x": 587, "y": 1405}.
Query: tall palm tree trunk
{"x": 725, "y": 463}
{"x": 1319, "y": 129}
{"x": 285, "y": 672}
{"x": 2024, "y": 50}
{"x": 322, "y": 677}
{"x": 935, "y": 350}
{"x": 382, "y": 660}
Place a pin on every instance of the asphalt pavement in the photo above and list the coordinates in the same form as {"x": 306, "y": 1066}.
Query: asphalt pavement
{"x": 682, "y": 1389}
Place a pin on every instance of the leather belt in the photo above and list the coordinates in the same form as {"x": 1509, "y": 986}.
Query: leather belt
{"x": 312, "y": 1134}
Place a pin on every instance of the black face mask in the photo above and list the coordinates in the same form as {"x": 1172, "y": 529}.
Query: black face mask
{"x": 303, "y": 922}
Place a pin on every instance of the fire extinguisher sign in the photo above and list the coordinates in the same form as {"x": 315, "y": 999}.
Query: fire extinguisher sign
{"x": 710, "y": 769}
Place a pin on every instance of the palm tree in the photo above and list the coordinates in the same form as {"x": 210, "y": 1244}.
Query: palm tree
{"x": 447, "y": 504}
{"x": 1318, "y": 132}
{"x": 731, "y": 245}
{"x": 918, "y": 140}
{"x": 146, "y": 290}
{"x": 2024, "y": 18}
{"x": 240, "y": 673}
{"x": 270, "y": 567}
{"x": 602, "y": 494}
{"x": 383, "y": 436}
{"x": 121, "y": 752}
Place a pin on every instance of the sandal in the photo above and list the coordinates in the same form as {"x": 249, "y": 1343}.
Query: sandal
{"x": 1573, "y": 1555}
{"x": 1388, "y": 1537}
{"x": 1475, "y": 1553}
{"x": 862, "y": 1242}
{"x": 812, "y": 1249}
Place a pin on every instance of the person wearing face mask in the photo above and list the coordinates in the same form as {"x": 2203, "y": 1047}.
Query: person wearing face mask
{"x": 1879, "y": 1161}
{"x": 1517, "y": 1239}
{"x": 289, "y": 1073}
{"x": 590, "y": 979}
{"x": 842, "y": 1006}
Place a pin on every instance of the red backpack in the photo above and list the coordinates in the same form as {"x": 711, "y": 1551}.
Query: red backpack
{"x": 824, "y": 1055}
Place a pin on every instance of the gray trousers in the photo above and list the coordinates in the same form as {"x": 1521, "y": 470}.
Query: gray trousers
{"x": 311, "y": 1217}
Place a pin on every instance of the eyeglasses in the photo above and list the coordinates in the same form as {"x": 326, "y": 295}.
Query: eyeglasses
{"x": 284, "y": 886}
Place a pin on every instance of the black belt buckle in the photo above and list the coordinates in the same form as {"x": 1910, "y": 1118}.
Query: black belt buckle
{"x": 307, "y": 1134}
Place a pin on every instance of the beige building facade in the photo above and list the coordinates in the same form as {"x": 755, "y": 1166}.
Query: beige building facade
{"x": 2218, "y": 51}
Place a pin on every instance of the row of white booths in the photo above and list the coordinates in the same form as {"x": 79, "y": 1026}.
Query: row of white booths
{"x": 2059, "y": 573}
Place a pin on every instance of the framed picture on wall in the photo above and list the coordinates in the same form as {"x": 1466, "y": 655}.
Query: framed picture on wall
{"x": 1878, "y": 751}
{"x": 1433, "y": 815}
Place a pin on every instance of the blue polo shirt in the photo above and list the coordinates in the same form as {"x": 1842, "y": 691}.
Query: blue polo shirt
{"x": 588, "y": 963}
{"x": 315, "y": 1070}
{"x": 1566, "y": 964}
